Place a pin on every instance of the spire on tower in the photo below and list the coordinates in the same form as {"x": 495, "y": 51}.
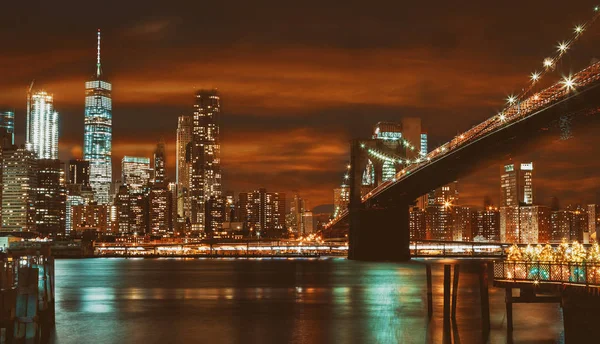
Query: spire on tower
{"x": 98, "y": 67}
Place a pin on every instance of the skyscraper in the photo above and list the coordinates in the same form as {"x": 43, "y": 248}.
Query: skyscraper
{"x": 97, "y": 140}
{"x": 42, "y": 125}
{"x": 263, "y": 212}
{"x": 183, "y": 168}
{"x": 19, "y": 180}
{"x": 136, "y": 173}
{"x": 7, "y": 124}
{"x": 50, "y": 204}
{"x": 160, "y": 177}
{"x": 516, "y": 182}
{"x": 205, "y": 159}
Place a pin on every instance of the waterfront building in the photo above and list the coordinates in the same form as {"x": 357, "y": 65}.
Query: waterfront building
{"x": 42, "y": 125}
{"x": 123, "y": 216}
{"x": 464, "y": 223}
{"x": 97, "y": 139}
{"x": 135, "y": 173}
{"x": 439, "y": 222}
{"x": 417, "y": 224}
{"x": 206, "y": 160}
{"x": 560, "y": 224}
{"x": 51, "y": 198}
{"x": 593, "y": 213}
{"x": 579, "y": 224}
{"x": 139, "y": 213}
{"x": 19, "y": 179}
{"x": 7, "y": 126}
{"x": 517, "y": 185}
{"x": 488, "y": 225}
{"x": 72, "y": 200}
{"x": 93, "y": 217}
{"x": 294, "y": 218}
{"x": 534, "y": 224}
{"x": 183, "y": 165}
{"x": 263, "y": 212}
{"x": 79, "y": 172}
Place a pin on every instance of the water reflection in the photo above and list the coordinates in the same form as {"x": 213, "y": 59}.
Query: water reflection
{"x": 274, "y": 301}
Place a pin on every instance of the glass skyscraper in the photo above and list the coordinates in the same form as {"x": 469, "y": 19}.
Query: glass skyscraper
{"x": 7, "y": 123}
{"x": 97, "y": 140}
{"x": 42, "y": 125}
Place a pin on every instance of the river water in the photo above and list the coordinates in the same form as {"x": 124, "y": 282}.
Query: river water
{"x": 114, "y": 300}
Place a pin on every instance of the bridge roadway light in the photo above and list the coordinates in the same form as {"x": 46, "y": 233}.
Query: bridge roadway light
{"x": 548, "y": 62}
{"x": 535, "y": 76}
{"x": 579, "y": 29}
{"x": 568, "y": 83}
{"x": 511, "y": 99}
{"x": 563, "y": 46}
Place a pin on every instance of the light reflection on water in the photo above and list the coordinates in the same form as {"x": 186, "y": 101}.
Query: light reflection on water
{"x": 273, "y": 301}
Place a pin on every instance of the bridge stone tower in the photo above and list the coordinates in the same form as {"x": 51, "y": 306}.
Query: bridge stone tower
{"x": 379, "y": 230}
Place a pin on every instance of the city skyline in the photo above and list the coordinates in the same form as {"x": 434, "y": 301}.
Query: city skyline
{"x": 319, "y": 155}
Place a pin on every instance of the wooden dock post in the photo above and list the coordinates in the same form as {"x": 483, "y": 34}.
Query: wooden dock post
{"x": 509, "y": 310}
{"x": 447, "y": 270}
{"x": 455, "y": 289}
{"x": 484, "y": 300}
{"x": 429, "y": 292}
{"x": 26, "y": 320}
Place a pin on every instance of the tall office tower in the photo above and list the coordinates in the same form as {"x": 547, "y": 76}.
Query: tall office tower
{"x": 294, "y": 218}
{"x": 446, "y": 195}
{"x": 516, "y": 183}
{"x": 534, "y": 224}
{"x": 123, "y": 209}
{"x": 205, "y": 159}
{"x": 160, "y": 176}
{"x": 42, "y": 125}
{"x": 517, "y": 190}
{"x": 416, "y": 224}
{"x": 159, "y": 206}
{"x": 50, "y": 204}
{"x": 230, "y": 205}
{"x": 463, "y": 224}
{"x": 341, "y": 199}
{"x": 135, "y": 173}
{"x": 439, "y": 222}
{"x": 139, "y": 213}
{"x": 7, "y": 126}
{"x": 79, "y": 172}
{"x": 91, "y": 217}
{"x": 183, "y": 168}
{"x": 97, "y": 139}
{"x": 19, "y": 176}
{"x": 308, "y": 224}
{"x": 263, "y": 212}
{"x": 390, "y": 136}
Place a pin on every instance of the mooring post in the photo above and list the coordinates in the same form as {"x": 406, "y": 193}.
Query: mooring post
{"x": 447, "y": 270}
{"x": 485, "y": 301}
{"x": 429, "y": 291}
{"x": 455, "y": 289}
{"x": 26, "y": 318}
{"x": 509, "y": 310}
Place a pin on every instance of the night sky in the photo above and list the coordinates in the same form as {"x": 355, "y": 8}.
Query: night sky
{"x": 299, "y": 79}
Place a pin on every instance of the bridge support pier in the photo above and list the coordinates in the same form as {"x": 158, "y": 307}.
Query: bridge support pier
{"x": 379, "y": 234}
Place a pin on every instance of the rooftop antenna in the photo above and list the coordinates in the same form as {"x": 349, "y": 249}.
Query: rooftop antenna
{"x": 98, "y": 68}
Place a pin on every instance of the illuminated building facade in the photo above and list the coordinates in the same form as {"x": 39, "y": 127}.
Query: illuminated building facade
{"x": 341, "y": 199}
{"x": 159, "y": 210}
{"x": 160, "y": 176}
{"x": 294, "y": 217}
{"x": 79, "y": 172}
{"x": 263, "y": 212}
{"x": 72, "y": 200}
{"x": 97, "y": 139}
{"x": 123, "y": 211}
{"x": 183, "y": 165}
{"x": 93, "y": 217}
{"x": 50, "y": 204}
{"x": 135, "y": 173}
{"x": 534, "y": 224}
{"x": 42, "y": 125}
{"x": 517, "y": 190}
{"x": 19, "y": 178}
{"x": 488, "y": 225}
{"x": 7, "y": 125}
{"x": 417, "y": 224}
{"x": 206, "y": 162}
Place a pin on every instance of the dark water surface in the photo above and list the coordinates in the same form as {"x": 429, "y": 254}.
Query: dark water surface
{"x": 275, "y": 301}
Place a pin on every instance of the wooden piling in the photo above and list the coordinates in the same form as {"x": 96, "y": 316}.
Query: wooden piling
{"x": 26, "y": 318}
{"x": 429, "y": 292}
{"x": 509, "y": 310}
{"x": 484, "y": 300}
{"x": 455, "y": 289}
{"x": 447, "y": 270}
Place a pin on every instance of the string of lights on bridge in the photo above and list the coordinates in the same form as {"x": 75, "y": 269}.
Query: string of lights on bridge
{"x": 513, "y": 107}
